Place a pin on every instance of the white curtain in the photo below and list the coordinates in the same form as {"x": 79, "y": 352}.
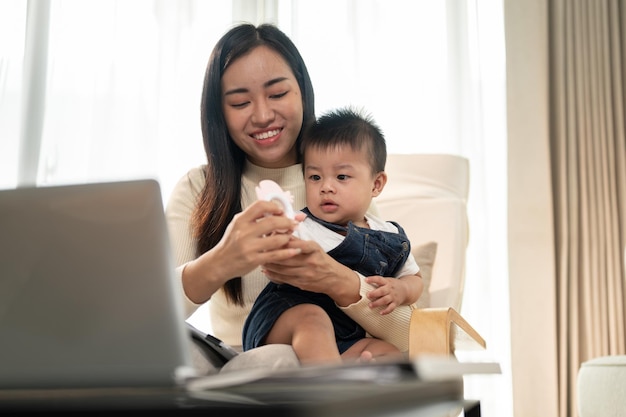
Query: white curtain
{"x": 122, "y": 88}
{"x": 122, "y": 93}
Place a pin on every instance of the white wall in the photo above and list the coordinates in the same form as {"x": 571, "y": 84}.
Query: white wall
{"x": 530, "y": 236}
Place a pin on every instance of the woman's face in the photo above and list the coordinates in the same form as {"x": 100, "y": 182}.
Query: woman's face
{"x": 262, "y": 105}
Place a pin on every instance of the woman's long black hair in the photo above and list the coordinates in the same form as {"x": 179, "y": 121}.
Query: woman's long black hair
{"x": 220, "y": 199}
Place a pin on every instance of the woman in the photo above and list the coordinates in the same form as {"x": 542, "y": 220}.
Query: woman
{"x": 257, "y": 98}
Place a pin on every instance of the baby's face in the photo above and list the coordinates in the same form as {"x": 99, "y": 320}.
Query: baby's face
{"x": 339, "y": 184}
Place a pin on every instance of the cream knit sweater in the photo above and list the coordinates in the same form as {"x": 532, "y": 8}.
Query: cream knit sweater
{"x": 227, "y": 319}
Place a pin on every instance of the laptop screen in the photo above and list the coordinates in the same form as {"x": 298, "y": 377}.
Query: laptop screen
{"x": 87, "y": 294}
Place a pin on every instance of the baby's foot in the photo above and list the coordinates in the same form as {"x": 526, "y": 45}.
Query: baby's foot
{"x": 366, "y": 356}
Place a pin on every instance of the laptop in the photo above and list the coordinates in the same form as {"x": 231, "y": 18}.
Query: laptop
{"x": 87, "y": 293}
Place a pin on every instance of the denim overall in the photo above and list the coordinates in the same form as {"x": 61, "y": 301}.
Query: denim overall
{"x": 370, "y": 252}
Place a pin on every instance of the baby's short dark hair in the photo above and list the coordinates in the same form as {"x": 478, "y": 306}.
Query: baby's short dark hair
{"x": 351, "y": 127}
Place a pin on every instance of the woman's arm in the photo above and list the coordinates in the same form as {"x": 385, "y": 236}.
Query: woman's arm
{"x": 246, "y": 244}
{"x": 178, "y": 212}
{"x": 392, "y": 327}
{"x": 314, "y": 270}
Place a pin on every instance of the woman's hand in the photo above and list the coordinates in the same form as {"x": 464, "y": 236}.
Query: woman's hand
{"x": 248, "y": 242}
{"x": 312, "y": 269}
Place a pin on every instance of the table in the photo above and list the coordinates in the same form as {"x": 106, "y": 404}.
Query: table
{"x": 399, "y": 401}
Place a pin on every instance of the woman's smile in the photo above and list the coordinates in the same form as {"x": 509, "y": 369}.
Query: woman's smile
{"x": 266, "y": 135}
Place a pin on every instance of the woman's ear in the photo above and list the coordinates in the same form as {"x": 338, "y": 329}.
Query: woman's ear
{"x": 380, "y": 179}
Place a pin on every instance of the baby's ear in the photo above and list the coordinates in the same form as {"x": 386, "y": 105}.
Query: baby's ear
{"x": 380, "y": 179}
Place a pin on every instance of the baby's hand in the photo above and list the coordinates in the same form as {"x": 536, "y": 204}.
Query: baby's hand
{"x": 388, "y": 294}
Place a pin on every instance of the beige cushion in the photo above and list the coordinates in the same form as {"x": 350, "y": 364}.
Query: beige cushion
{"x": 425, "y": 257}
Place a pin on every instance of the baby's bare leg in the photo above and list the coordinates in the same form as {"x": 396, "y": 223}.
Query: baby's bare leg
{"x": 309, "y": 330}
{"x": 370, "y": 348}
